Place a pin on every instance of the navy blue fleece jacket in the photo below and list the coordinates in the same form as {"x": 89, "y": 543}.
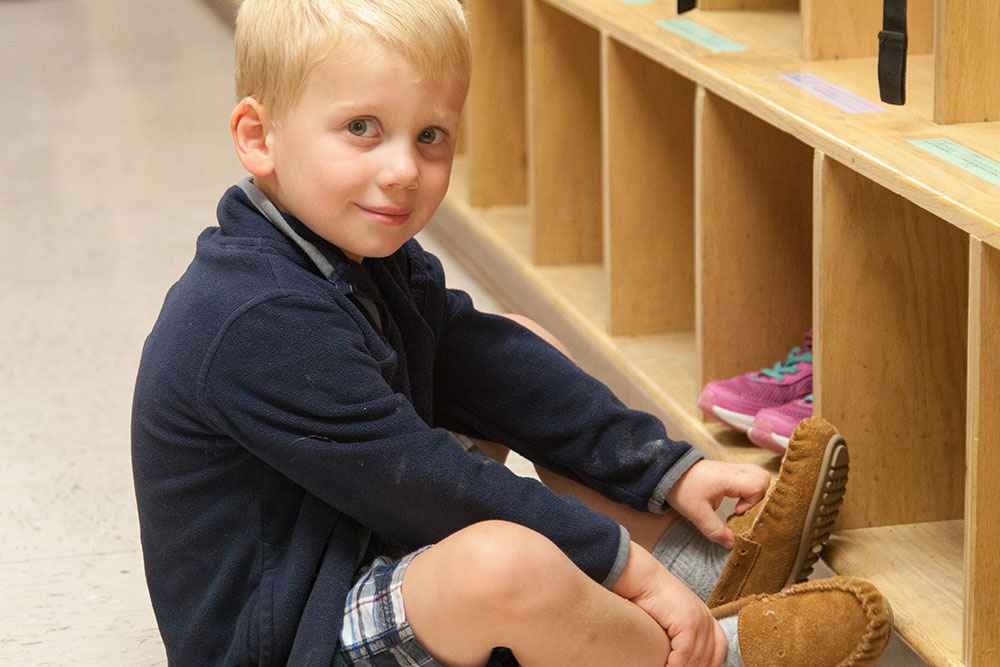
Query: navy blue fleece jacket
{"x": 276, "y": 428}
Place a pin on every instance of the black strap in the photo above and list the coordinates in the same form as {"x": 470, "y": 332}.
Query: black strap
{"x": 892, "y": 53}
{"x": 685, "y": 5}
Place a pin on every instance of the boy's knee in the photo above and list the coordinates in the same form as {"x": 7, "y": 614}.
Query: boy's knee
{"x": 511, "y": 564}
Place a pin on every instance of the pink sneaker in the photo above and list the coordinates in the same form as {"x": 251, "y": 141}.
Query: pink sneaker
{"x": 772, "y": 427}
{"x": 737, "y": 400}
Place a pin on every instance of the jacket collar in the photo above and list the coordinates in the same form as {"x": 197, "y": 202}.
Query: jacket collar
{"x": 349, "y": 276}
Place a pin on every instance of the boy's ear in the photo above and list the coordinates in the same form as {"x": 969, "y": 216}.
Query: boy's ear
{"x": 250, "y": 127}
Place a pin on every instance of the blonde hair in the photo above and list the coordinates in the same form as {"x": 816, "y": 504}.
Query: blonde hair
{"x": 279, "y": 41}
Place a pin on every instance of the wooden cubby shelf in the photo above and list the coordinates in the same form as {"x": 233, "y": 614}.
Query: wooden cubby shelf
{"x": 680, "y": 202}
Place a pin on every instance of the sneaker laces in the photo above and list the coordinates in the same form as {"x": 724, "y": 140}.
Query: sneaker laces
{"x": 789, "y": 366}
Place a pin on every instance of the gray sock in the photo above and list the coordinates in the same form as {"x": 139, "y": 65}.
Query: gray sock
{"x": 691, "y": 557}
{"x": 729, "y": 626}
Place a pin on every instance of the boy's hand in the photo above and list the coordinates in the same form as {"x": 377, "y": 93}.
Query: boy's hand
{"x": 696, "y": 638}
{"x": 700, "y": 491}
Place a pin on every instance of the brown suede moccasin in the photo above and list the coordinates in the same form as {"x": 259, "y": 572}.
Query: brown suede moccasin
{"x": 838, "y": 622}
{"x": 778, "y": 541}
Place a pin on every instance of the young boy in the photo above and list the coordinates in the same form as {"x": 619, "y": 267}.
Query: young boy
{"x": 296, "y": 466}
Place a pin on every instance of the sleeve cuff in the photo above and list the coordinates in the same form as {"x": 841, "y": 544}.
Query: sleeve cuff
{"x": 658, "y": 501}
{"x": 621, "y": 560}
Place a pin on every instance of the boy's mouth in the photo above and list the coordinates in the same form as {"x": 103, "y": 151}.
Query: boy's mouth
{"x": 387, "y": 215}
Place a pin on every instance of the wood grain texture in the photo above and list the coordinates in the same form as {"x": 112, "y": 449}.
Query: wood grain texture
{"x": 849, "y": 28}
{"x": 864, "y": 235}
{"x": 654, "y": 373}
{"x": 918, "y": 567}
{"x": 874, "y": 144}
{"x": 754, "y": 226}
{"x": 981, "y": 639}
{"x": 967, "y": 65}
{"x": 649, "y": 231}
{"x": 496, "y": 111}
{"x": 564, "y": 101}
{"x": 893, "y": 321}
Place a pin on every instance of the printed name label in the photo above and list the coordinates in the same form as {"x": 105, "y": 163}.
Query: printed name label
{"x": 830, "y": 92}
{"x": 690, "y": 30}
{"x": 963, "y": 158}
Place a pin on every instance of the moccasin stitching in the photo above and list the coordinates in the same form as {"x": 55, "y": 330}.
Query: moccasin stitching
{"x": 801, "y": 466}
{"x": 872, "y": 604}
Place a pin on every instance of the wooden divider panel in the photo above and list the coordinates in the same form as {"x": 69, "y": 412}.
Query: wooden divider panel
{"x": 849, "y": 28}
{"x": 967, "y": 65}
{"x": 982, "y": 530}
{"x": 565, "y": 136}
{"x": 892, "y": 364}
{"x": 649, "y": 135}
{"x": 496, "y": 114}
{"x": 754, "y": 232}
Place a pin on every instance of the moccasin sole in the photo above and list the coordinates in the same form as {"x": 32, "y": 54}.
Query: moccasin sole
{"x": 827, "y": 498}
{"x": 779, "y": 541}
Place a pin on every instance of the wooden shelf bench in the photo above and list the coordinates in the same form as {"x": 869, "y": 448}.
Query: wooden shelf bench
{"x": 678, "y": 214}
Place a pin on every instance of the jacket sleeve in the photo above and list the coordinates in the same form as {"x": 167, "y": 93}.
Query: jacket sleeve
{"x": 504, "y": 383}
{"x": 295, "y": 381}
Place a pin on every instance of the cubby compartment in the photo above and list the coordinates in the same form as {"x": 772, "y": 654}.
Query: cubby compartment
{"x": 649, "y": 228}
{"x": 754, "y": 226}
{"x": 891, "y": 360}
{"x": 919, "y": 568}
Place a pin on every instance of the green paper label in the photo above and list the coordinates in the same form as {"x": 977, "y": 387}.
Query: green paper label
{"x": 961, "y": 157}
{"x": 690, "y": 30}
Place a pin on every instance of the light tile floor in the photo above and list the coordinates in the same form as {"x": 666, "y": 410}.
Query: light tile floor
{"x": 116, "y": 150}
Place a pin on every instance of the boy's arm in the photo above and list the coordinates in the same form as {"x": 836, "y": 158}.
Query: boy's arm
{"x": 293, "y": 381}
{"x": 500, "y": 381}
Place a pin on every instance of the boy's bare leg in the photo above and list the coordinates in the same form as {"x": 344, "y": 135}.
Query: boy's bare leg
{"x": 683, "y": 550}
{"x": 645, "y": 528}
{"x": 500, "y": 584}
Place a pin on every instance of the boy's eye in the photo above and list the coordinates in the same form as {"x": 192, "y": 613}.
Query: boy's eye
{"x": 362, "y": 127}
{"x": 431, "y": 135}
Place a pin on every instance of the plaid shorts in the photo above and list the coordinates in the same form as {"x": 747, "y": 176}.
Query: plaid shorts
{"x": 376, "y": 632}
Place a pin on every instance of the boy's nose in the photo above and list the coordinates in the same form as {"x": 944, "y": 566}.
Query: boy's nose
{"x": 400, "y": 169}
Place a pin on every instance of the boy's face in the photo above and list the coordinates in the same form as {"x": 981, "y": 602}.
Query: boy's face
{"x": 364, "y": 157}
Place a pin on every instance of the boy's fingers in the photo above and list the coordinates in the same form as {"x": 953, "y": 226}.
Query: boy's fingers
{"x": 712, "y": 527}
{"x": 721, "y": 646}
{"x": 743, "y": 505}
{"x": 750, "y": 488}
